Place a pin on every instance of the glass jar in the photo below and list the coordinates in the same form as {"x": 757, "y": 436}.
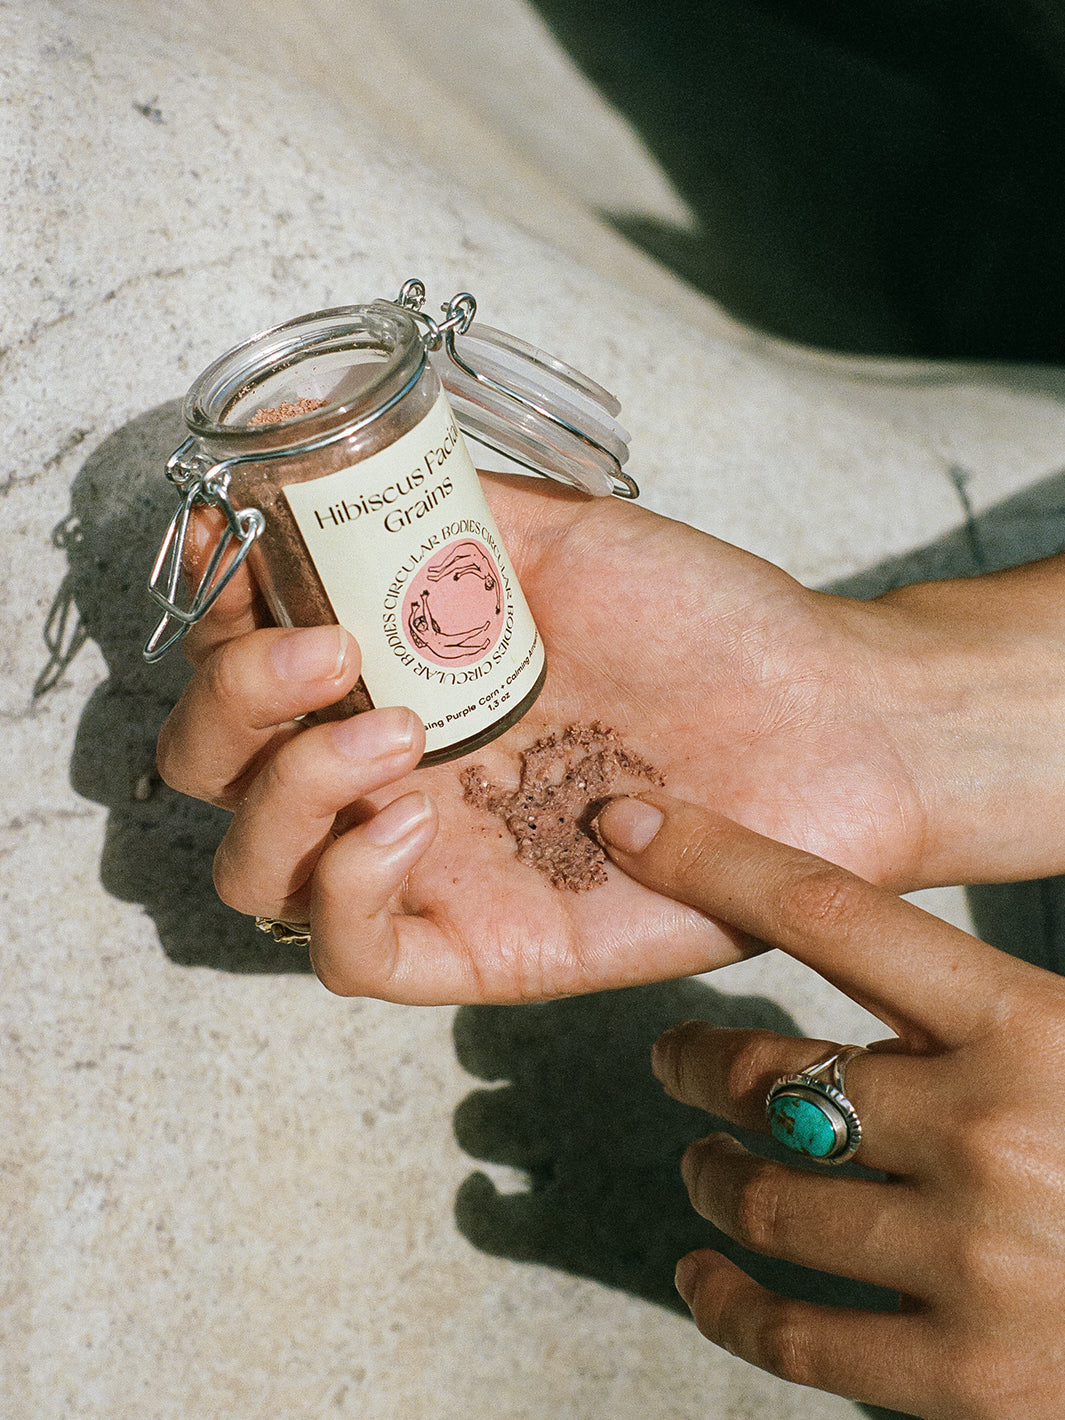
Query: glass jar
{"x": 331, "y": 449}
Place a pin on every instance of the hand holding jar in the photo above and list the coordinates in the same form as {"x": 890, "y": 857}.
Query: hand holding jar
{"x": 847, "y": 728}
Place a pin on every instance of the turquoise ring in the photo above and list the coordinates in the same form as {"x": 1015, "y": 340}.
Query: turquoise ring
{"x": 810, "y": 1112}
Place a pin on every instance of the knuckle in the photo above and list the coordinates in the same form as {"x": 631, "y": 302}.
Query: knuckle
{"x": 674, "y": 1065}
{"x": 694, "y": 861}
{"x": 177, "y": 763}
{"x": 749, "y": 1070}
{"x": 979, "y": 1385}
{"x": 220, "y": 673}
{"x": 168, "y": 759}
{"x": 988, "y": 1146}
{"x": 783, "y": 1343}
{"x": 758, "y": 1213}
{"x": 823, "y": 898}
{"x": 335, "y": 981}
{"x": 332, "y": 886}
{"x": 229, "y": 880}
{"x": 983, "y": 1264}
{"x": 685, "y": 1062}
{"x": 344, "y": 894}
{"x": 670, "y": 1050}
{"x": 287, "y": 776}
{"x": 334, "y": 970}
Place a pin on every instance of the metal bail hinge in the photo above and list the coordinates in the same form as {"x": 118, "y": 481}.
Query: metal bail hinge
{"x": 203, "y": 484}
{"x": 536, "y": 410}
{"x": 458, "y": 314}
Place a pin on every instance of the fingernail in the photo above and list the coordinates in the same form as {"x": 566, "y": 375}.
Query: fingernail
{"x": 685, "y": 1277}
{"x": 310, "y": 653}
{"x": 629, "y": 824}
{"x": 402, "y": 818}
{"x": 377, "y": 734}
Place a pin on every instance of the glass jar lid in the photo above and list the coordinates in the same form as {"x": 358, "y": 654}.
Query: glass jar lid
{"x": 315, "y": 378}
{"x": 526, "y": 404}
{"x": 325, "y": 373}
{"x": 535, "y": 409}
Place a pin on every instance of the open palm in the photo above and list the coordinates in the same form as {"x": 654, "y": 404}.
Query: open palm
{"x": 749, "y": 692}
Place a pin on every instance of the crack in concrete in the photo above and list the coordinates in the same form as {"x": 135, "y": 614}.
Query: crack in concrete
{"x": 73, "y": 441}
{"x": 40, "y": 329}
{"x": 43, "y": 818}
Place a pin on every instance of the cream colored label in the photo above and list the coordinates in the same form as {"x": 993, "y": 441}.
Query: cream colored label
{"x": 414, "y": 566}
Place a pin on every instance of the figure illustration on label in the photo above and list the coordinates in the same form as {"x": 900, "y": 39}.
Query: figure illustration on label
{"x": 455, "y": 613}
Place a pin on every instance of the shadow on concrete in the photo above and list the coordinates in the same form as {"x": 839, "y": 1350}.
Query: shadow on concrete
{"x": 574, "y": 1107}
{"x": 874, "y": 178}
{"x": 159, "y": 845}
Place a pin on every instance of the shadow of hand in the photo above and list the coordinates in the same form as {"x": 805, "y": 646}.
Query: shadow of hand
{"x": 159, "y": 844}
{"x": 577, "y": 1110}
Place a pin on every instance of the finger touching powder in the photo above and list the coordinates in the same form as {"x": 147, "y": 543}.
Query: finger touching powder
{"x": 564, "y": 779}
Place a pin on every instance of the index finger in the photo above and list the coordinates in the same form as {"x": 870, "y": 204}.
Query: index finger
{"x": 905, "y": 966}
{"x": 243, "y": 701}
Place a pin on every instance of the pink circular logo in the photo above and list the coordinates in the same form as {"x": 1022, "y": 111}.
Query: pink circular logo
{"x": 454, "y": 608}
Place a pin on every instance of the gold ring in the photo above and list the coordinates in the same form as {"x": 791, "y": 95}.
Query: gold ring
{"x": 294, "y": 934}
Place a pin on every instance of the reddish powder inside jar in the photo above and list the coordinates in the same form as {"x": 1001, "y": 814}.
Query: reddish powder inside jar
{"x": 287, "y": 409}
{"x": 564, "y": 779}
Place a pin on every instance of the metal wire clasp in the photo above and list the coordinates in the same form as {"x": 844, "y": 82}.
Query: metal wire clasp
{"x": 203, "y": 484}
{"x": 459, "y": 315}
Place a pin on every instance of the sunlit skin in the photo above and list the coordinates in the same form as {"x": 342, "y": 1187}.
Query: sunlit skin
{"x": 851, "y": 729}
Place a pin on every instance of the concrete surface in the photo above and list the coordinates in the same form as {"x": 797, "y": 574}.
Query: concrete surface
{"x": 224, "y": 1192}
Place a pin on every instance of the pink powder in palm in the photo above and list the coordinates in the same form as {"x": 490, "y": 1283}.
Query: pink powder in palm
{"x": 564, "y": 779}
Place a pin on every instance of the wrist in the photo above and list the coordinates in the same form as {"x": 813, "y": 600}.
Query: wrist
{"x": 978, "y": 714}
